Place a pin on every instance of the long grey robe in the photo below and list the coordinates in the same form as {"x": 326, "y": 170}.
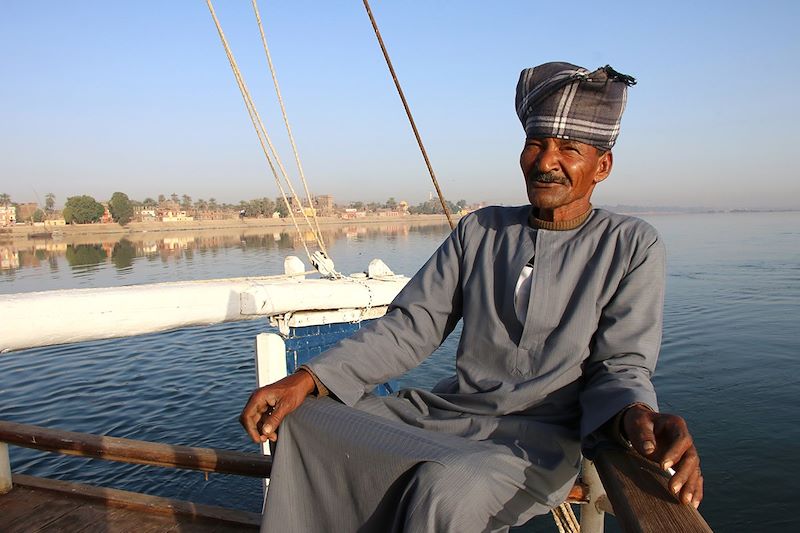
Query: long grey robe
{"x": 587, "y": 349}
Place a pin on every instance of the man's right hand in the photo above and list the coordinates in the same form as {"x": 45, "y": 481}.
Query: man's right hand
{"x": 268, "y": 405}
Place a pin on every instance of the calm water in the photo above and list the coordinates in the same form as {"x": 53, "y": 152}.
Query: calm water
{"x": 727, "y": 364}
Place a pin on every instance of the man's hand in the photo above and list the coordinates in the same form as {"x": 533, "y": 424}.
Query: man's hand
{"x": 665, "y": 439}
{"x": 268, "y": 405}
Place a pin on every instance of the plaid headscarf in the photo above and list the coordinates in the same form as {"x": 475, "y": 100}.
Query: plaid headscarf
{"x": 568, "y": 102}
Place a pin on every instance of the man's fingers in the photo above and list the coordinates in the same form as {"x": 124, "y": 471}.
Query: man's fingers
{"x": 257, "y": 405}
{"x": 691, "y": 493}
{"x": 641, "y": 435}
{"x": 268, "y": 405}
{"x": 684, "y": 482}
{"x": 680, "y": 443}
{"x": 270, "y": 422}
{"x": 698, "y": 493}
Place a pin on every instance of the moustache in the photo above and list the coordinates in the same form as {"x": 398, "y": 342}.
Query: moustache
{"x": 549, "y": 177}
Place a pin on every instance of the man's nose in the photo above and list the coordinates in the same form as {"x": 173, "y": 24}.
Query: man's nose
{"x": 547, "y": 160}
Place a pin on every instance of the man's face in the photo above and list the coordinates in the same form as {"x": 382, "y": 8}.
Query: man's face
{"x": 562, "y": 173}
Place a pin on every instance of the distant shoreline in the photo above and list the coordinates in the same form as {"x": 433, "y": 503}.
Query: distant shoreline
{"x": 134, "y": 228}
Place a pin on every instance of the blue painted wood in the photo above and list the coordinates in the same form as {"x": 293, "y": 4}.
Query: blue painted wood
{"x": 304, "y": 343}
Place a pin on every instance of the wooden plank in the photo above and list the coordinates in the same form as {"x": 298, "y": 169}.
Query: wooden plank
{"x": 39, "y": 517}
{"x": 135, "y": 451}
{"x": 20, "y": 502}
{"x": 640, "y": 496}
{"x": 85, "y": 517}
{"x": 192, "y": 512}
{"x": 121, "y": 520}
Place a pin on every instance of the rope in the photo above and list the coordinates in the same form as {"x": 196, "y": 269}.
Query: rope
{"x": 263, "y": 137}
{"x": 565, "y": 519}
{"x": 320, "y": 240}
{"x": 410, "y": 117}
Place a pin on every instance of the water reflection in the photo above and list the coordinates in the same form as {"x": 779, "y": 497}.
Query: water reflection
{"x": 83, "y": 255}
{"x": 123, "y": 254}
{"x": 86, "y": 253}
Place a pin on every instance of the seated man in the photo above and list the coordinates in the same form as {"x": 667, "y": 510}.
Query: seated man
{"x": 562, "y": 311}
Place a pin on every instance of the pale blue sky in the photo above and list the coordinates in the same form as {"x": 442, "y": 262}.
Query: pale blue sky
{"x": 101, "y": 96}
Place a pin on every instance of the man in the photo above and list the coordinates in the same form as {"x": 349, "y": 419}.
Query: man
{"x": 562, "y": 309}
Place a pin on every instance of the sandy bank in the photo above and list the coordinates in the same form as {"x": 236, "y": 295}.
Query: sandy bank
{"x": 24, "y": 231}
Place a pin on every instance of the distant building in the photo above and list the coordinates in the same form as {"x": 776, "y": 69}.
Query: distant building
{"x": 351, "y": 213}
{"x": 176, "y": 216}
{"x": 324, "y": 204}
{"x": 390, "y": 212}
{"x": 168, "y": 205}
{"x": 25, "y": 211}
{"x": 8, "y": 215}
{"x": 144, "y": 214}
{"x": 106, "y": 218}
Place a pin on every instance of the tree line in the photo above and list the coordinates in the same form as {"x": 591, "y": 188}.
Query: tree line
{"x": 84, "y": 209}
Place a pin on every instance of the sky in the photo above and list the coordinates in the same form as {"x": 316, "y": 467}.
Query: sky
{"x": 138, "y": 97}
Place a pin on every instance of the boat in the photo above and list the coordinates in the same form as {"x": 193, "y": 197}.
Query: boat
{"x": 41, "y": 235}
{"x": 310, "y": 311}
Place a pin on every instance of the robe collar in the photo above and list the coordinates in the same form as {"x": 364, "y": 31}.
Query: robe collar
{"x": 562, "y": 225}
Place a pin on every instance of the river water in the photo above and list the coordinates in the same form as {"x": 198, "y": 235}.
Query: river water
{"x": 728, "y": 362}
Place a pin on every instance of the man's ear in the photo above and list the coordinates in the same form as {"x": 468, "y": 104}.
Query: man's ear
{"x": 604, "y": 164}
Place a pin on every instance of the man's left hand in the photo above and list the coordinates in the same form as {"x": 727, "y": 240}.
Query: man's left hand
{"x": 665, "y": 439}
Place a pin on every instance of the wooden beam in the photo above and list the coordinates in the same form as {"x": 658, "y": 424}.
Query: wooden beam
{"x": 77, "y": 315}
{"x": 640, "y": 496}
{"x": 135, "y": 451}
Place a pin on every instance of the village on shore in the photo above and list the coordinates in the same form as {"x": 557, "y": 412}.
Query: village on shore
{"x": 120, "y": 213}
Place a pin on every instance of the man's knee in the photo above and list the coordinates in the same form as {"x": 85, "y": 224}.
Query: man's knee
{"x": 470, "y": 492}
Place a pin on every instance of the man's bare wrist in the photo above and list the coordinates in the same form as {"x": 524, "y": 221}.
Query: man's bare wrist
{"x": 317, "y": 386}
{"x": 308, "y": 380}
{"x": 618, "y": 426}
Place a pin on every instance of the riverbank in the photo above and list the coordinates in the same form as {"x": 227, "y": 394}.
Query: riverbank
{"x": 280, "y": 224}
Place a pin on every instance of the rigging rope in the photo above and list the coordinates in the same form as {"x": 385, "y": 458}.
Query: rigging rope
{"x": 264, "y": 139}
{"x": 565, "y": 519}
{"x": 321, "y": 242}
{"x": 410, "y": 117}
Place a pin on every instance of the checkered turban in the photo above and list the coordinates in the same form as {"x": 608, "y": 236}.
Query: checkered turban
{"x": 568, "y": 102}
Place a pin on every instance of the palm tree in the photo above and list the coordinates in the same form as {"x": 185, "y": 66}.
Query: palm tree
{"x": 49, "y": 202}
{"x": 5, "y": 199}
{"x": 212, "y": 204}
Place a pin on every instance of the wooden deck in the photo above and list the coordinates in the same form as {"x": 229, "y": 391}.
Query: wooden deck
{"x": 37, "y": 504}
